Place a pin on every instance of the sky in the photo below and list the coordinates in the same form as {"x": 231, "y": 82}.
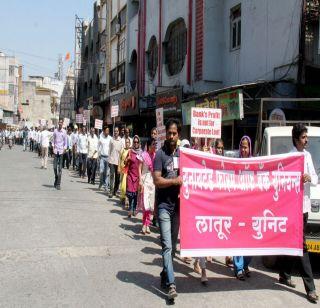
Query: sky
{"x": 37, "y": 31}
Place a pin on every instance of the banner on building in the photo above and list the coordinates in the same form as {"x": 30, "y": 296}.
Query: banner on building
{"x": 205, "y": 123}
{"x": 98, "y": 124}
{"x": 241, "y": 207}
{"x": 231, "y": 104}
{"x": 79, "y": 118}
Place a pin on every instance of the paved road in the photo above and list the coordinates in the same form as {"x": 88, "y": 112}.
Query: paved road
{"x": 76, "y": 248}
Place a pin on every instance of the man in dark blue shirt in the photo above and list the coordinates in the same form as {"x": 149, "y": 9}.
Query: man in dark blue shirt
{"x": 168, "y": 182}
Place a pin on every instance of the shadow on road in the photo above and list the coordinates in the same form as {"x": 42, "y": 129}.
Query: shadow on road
{"x": 48, "y": 186}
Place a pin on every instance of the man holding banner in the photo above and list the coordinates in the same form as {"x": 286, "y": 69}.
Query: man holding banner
{"x": 300, "y": 141}
{"x": 168, "y": 182}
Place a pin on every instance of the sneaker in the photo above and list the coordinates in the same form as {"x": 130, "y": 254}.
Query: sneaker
{"x": 287, "y": 282}
{"x": 172, "y": 293}
{"x": 58, "y": 187}
{"x": 240, "y": 276}
{"x": 312, "y": 297}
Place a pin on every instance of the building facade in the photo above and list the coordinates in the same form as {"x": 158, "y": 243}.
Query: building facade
{"x": 10, "y": 88}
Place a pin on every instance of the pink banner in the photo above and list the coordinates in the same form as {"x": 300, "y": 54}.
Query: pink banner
{"x": 239, "y": 207}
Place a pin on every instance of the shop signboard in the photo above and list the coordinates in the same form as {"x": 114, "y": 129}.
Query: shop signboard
{"x": 128, "y": 104}
{"x": 169, "y": 100}
{"x": 207, "y": 102}
{"x": 231, "y": 104}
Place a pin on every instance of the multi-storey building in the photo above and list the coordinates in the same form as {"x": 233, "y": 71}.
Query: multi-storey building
{"x": 10, "y": 80}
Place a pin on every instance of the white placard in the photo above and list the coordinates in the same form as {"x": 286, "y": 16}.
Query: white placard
{"x": 66, "y": 122}
{"x": 206, "y": 122}
{"x": 98, "y": 124}
{"x": 114, "y": 111}
{"x": 79, "y": 118}
{"x": 43, "y": 122}
{"x": 159, "y": 117}
{"x": 161, "y": 137}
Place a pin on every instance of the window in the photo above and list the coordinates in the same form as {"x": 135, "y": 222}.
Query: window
{"x": 114, "y": 23}
{"x": 235, "y": 27}
{"x": 121, "y": 73}
{"x": 123, "y": 17}
{"x": 152, "y": 57}
{"x": 11, "y": 70}
{"x": 176, "y": 46}
{"x": 11, "y": 89}
{"x": 122, "y": 49}
{"x": 113, "y": 78}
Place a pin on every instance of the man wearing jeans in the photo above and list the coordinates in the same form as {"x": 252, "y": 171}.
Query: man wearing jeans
{"x": 103, "y": 150}
{"x": 168, "y": 182}
{"x": 59, "y": 148}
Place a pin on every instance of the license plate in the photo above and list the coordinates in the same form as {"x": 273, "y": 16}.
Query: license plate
{"x": 313, "y": 246}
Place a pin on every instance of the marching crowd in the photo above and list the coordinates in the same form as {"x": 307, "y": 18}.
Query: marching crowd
{"x": 145, "y": 177}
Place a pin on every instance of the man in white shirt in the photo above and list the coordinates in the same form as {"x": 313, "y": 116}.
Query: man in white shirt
{"x": 82, "y": 147}
{"x": 115, "y": 148}
{"x": 44, "y": 143}
{"x": 103, "y": 151}
{"x": 92, "y": 156}
{"x": 68, "y": 153}
{"x": 74, "y": 141}
{"x": 300, "y": 141}
{"x": 126, "y": 136}
{"x": 30, "y": 138}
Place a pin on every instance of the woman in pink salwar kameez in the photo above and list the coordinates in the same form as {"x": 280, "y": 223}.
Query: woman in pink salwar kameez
{"x": 147, "y": 188}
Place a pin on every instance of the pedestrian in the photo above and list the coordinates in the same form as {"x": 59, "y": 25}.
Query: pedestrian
{"x": 59, "y": 148}
{"x": 67, "y": 154}
{"x": 114, "y": 154}
{"x": 30, "y": 138}
{"x": 74, "y": 141}
{"x": 82, "y": 147}
{"x": 103, "y": 150}
{"x": 133, "y": 179}
{"x": 44, "y": 142}
{"x": 146, "y": 185}
{"x": 167, "y": 182}
{"x": 92, "y": 156}
{"x": 123, "y": 170}
{"x": 154, "y": 133}
{"x": 240, "y": 263}
{"x": 309, "y": 178}
{"x": 126, "y": 136}
{"x": 25, "y": 138}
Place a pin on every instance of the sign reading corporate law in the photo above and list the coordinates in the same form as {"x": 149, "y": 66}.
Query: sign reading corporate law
{"x": 205, "y": 123}
{"x": 231, "y": 104}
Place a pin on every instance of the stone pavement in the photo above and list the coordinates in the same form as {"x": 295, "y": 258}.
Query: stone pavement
{"x": 77, "y": 248}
